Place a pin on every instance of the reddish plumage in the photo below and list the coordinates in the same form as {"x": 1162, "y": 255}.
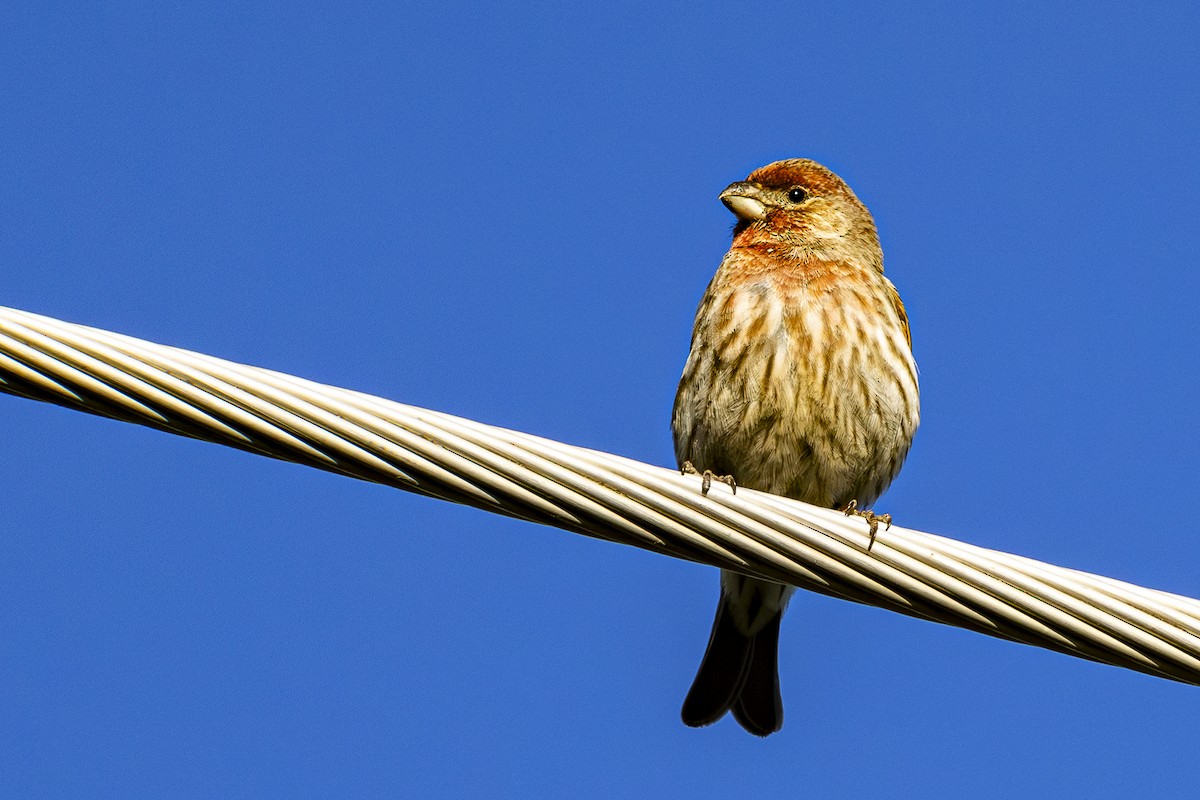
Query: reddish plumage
{"x": 800, "y": 382}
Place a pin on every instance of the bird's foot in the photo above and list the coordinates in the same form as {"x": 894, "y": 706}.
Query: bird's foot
{"x": 707, "y": 477}
{"x": 872, "y": 519}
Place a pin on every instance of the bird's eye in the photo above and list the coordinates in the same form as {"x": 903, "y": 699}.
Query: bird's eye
{"x": 797, "y": 195}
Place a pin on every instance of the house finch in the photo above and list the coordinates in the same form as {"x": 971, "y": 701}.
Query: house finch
{"x": 800, "y": 382}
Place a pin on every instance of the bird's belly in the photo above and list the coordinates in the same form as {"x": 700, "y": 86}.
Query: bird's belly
{"x": 796, "y": 414}
{"x": 823, "y": 450}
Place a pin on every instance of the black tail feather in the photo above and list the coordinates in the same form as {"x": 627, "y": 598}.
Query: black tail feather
{"x": 759, "y": 705}
{"x": 738, "y": 672}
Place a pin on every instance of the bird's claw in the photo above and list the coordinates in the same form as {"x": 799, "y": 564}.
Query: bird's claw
{"x": 872, "y": 519}
{"x": 707, "y": 477}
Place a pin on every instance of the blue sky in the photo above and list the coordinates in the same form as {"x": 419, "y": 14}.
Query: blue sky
{"x": 511, "y": 215}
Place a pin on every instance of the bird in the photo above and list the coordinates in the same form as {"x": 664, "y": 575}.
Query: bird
{"x": 801, "y": 382}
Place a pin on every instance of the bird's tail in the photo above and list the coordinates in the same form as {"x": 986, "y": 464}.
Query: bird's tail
{"x": 740, "y": 673}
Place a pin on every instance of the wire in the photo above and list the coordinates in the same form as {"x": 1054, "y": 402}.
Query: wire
{"x": 598, "y": 494}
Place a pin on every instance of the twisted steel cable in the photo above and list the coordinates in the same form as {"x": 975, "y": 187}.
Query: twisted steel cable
{"x": 598, "y": 494}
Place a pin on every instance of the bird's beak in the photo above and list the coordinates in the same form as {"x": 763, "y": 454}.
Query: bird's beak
{"x": 744, "y": 199}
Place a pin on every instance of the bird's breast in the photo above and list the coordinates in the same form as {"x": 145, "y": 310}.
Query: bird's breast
{"x": 799, "y": 387}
